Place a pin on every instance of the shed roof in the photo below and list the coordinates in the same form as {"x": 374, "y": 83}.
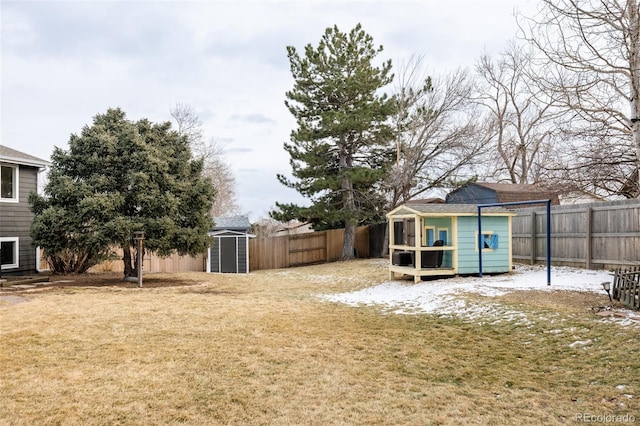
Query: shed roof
{"x": 448, "y": 210}
{"x": 514, "y": 192}
{"x": 232, "y": 223}
{"x": 14, "y": 156}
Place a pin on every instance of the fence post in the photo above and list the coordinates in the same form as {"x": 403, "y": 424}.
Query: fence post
{"x": 587, "y": 245}
{"x": 533, "y": 237}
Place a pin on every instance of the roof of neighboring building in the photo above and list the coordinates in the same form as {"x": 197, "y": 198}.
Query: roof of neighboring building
{"x": 10, "y": 155}
{"x": 292, "y": 225}
{"x": 425, "y": 201}
{"x": 448, "y": 210}
{"x": 234, "y": 223}
{"x": 514, "y": 192}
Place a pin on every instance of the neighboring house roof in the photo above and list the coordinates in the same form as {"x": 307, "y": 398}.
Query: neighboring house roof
{"x": 578, "y": 197}
{"x": 447, "y": 210}
{"x": 426, "y": 201}
{"x": 231, "y": 223}
{"x": 10, "y": 155}
{"x": 294, "y": 226}
{"x": 513, "y": 192}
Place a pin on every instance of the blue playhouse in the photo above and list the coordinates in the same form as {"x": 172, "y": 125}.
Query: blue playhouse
{"x": 443, "y": 240}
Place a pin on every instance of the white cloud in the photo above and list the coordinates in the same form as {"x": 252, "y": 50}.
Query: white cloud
{"x": 65, "y": 61}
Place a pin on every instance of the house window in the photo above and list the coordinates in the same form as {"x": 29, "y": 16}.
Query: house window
{"x": 9, "y": 252}
{"x": 489, "y": 241}
{"x": 8, "y": 183}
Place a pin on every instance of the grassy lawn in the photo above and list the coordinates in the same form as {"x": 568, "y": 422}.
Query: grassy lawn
{"x": 264, "y": 349}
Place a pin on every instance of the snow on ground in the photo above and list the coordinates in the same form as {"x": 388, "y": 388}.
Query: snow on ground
{"x": 446, "y": 296}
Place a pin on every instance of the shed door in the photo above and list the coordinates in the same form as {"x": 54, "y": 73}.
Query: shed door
{"x": 228, "y": 255}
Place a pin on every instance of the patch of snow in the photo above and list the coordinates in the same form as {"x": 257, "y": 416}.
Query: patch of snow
{"x": 579, "y": 343}
{"x": 446, "y": 296}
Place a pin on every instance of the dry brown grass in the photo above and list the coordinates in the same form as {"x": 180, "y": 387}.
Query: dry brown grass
{"x": 263, "y": 349}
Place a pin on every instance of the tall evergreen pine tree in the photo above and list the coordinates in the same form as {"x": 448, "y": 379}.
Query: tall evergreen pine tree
{"x": 340, "y": 150}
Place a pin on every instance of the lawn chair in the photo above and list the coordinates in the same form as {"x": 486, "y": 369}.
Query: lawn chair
{"x": 432, "y": 259}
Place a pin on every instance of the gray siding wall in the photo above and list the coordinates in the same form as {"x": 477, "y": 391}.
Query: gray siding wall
{"x": 16, "y": 219}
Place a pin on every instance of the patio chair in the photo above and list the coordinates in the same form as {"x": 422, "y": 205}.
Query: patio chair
{"x": 432, "y": 259}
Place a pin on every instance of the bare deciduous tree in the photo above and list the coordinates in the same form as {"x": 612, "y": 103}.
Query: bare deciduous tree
{"x": 438, "y": 139}
{"x": 591, "y": 57}
{"x": 265, "y": 227}
{"x": 521, "y": 114}
{"x": 215, "y": 167}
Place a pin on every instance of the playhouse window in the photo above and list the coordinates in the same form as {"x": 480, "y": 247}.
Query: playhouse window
{"x": 429, "y": 236}
{"x": 443, "y": 235}
{"x": 489, "y": 241}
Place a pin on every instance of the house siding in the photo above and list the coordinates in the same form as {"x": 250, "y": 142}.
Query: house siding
{"x": 16, "y": 219}
{"x": 495, "y": 261}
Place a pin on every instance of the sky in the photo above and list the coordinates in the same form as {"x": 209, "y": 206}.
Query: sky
{"x": 63, "y": 62}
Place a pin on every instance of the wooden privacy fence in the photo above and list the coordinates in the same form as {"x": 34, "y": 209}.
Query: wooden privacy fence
{"x": 264, "y": 253}
{"x": 303, "y": 249}
{"x": 153, "y": 263}
{"x": 626, "y": 287}
{"x": 596, "y": 235}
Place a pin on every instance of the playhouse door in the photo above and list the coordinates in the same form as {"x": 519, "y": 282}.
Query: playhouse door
{"x": 228, "y": 255}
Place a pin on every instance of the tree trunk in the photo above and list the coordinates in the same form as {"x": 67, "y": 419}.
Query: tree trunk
{"x": 350, "y": 223}
{"x": 347, "y": 243}
{"x": 634, "y": 47}
{"x": 348, "y": 206}
{"x": 385, "y": 241}
{"x": 129, "y": 270}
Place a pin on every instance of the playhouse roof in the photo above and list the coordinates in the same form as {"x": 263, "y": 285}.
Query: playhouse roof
{"x": 447, "y": 210}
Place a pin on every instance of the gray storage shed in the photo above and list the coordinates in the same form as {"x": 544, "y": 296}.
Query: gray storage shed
{"x": 229, "y": 251}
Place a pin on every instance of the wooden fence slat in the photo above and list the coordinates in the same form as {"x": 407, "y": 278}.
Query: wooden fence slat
{"x": 153, "y": 263}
